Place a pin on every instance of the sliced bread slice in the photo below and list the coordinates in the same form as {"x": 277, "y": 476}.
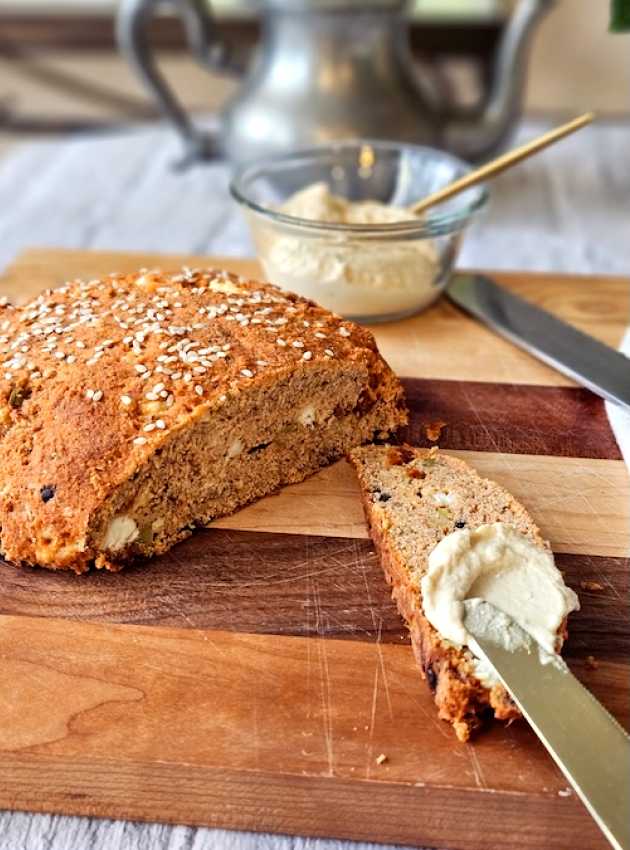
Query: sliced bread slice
{"x": 413, "y": 498}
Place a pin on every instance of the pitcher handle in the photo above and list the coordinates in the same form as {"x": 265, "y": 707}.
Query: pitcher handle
{"x": 476, "y": 134}
{"x": 132, "y": 34}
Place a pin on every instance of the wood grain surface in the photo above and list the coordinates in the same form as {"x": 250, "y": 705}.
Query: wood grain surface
{"x": 581, "y": 505}
{"x": 251, "y": 677}
{"x": 513, "y": 418}
{"x": 296, "y": 585}
{"x": 151, "y": 723}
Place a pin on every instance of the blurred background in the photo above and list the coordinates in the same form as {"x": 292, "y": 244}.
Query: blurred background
{"x": 60, "y": 70}
{"x": 73, "y": 112}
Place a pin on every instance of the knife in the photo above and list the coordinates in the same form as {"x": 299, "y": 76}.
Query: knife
{"x": 578, "y": 355}
{"x": 586, "y": 742}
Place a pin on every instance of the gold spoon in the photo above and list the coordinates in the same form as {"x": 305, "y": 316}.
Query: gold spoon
{"x": 501, "y": 163}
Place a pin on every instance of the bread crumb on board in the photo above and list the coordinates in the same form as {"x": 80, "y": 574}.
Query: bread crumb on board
{"x": 381, "y": 759}
{"x": 591, "y": 585}
{"x": 433, "y": 430}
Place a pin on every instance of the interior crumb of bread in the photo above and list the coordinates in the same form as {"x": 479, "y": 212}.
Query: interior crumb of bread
{"x": 414, "y": 498}
{"x": 249, "y": 447}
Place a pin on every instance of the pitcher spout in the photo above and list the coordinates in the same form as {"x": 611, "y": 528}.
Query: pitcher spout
{"x": 477, "y": 134}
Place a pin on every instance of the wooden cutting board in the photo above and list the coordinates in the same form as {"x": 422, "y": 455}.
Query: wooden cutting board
{"x": 252, "y": 677}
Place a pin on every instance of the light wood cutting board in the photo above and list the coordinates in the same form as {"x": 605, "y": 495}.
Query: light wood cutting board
{"x": 252, "y": 677}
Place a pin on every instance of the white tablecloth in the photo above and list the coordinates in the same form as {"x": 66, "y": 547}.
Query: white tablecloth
{"x": 566, "y": 210}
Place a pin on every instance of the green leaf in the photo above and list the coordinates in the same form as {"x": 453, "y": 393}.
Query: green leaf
{"x": 620, "y": 16}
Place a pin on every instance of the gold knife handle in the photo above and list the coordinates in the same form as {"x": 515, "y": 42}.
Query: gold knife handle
{"x": 585, "y": 741}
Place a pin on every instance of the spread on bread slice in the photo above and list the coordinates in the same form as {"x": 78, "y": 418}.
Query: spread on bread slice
{"x": 444, "y": 534}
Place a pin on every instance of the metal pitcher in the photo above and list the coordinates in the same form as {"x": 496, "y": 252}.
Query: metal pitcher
{"x": 327, "y": 70}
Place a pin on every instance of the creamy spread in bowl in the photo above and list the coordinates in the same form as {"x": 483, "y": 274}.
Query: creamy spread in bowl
{"x": 356, "y": 277}
{"x": 335, "y": 223}
{"x": 496, "y": 563}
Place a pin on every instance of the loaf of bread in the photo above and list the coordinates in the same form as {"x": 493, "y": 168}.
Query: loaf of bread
{"x": 135, "y": 407}
{"x": 413, "y": 498}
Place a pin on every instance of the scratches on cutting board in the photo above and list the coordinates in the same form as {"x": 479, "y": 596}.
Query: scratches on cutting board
{"x": 480, "y": 779}
{"x": 318, "y": 649}
{"x": 327, "y": 709}
{"x": 380, "y": 673}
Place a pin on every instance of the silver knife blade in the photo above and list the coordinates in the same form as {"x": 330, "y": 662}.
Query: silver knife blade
{"x": 578, "y": 355}
{"x": 586, "y": 742}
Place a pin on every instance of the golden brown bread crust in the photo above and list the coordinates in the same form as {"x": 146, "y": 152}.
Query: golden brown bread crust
{"x": 460, "y": 697}
{"x": 96, "y": 376}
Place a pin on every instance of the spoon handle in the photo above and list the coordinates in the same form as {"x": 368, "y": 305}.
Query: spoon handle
{"x": 501, "y": 163}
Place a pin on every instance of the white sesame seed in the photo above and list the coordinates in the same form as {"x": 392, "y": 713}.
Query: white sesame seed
{"x": 297, "y": 343}
{"x": 198, "y": 389}
{"x": 60, "y": 355}
{"x": 281, "y": 342}
{"x": 344, "y": 331}
{"x": 307, "y": 355}
{"x": 140, "y": 441}
{"x": 329, "y": 352}
{"x": 151, "y": 396}
{"x": 98, "y": 395}
{"x": 80, "y": 344}
{"x": 126, "y": 400}
{"x": 89, "y": 394}
{"x": 320, "y": 335}
{"x": 247, "y": 373}
{"x": 140, "y": 368}
{"x": 158, "y": 388}
{"x": 150, "y": 426}
{"x": 161, "y": 424}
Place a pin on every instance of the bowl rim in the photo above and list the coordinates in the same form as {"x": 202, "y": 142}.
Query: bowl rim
{"x": 432, "y": 224}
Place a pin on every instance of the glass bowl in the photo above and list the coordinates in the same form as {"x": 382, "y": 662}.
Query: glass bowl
{"x": 365, "y": 272}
